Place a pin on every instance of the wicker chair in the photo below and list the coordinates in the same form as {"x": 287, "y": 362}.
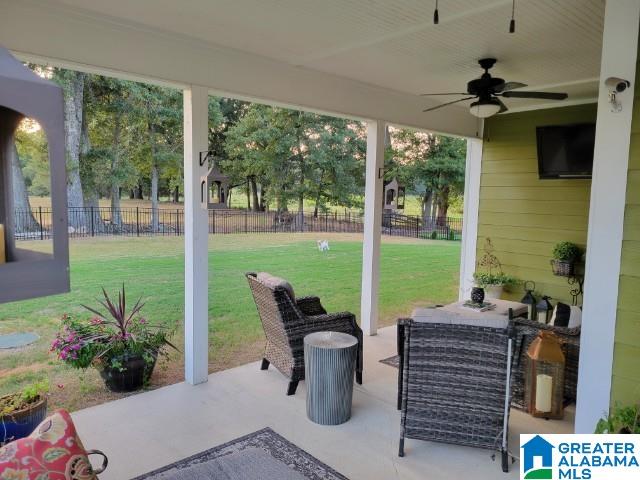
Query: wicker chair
{"x": 455, "y": 380}
{"x": 286, "y": 321}
{"x": 527, "y": 331}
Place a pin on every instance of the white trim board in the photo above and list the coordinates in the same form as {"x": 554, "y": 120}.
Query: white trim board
{"x": 606, "y": 216}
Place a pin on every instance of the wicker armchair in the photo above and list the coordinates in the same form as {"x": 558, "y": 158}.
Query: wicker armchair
{"x": 455, "y": 380}
{"x": 286, "y": 321}
{"x": 527, "y": 331}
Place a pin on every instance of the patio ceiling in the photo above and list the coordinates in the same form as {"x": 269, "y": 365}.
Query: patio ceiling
{"x": 557, "y": 43}
{"x": 391, "y": 48}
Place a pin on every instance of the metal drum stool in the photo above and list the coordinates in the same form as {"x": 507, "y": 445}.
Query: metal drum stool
{"x": 330, "y": 361}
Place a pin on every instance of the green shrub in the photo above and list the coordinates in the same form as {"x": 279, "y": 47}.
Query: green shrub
{"x": 484, "y": 279}
{"x": 620, "y": 420}
{"x": 567, "y": 252}
{"x": 434, "y": 235}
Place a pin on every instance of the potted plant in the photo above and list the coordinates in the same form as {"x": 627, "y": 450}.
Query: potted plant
{"x": 565, "y": 255}
{"x": 493, "y": 283}
{"x": 621, "y": 420}
{"x": 22, "y": 412}
{"x": 122, "y": 345}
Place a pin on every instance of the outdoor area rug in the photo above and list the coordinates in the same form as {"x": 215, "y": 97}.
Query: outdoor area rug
{"x": 260, "y": 455}
{"x": 393, "y": 361}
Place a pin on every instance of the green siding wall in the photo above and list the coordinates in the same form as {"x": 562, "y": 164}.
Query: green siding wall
{"x": 523, "y": 215}
{"x": 626, "y": 357}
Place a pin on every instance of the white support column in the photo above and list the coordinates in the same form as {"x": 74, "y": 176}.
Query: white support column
{"x": 196, "y": 235}
{"x": 606, "y": 215}
{"x": 372, "y": 227}
{"x": 473, "y": 169}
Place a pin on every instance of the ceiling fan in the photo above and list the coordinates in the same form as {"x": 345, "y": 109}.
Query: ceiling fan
{"x": 488, "y": 89}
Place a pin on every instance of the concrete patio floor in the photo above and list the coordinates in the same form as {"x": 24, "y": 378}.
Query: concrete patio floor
{"x": 146, "y": 431}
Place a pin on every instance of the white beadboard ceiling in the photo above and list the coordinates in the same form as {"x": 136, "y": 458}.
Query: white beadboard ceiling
{"x": 393, "y": 43}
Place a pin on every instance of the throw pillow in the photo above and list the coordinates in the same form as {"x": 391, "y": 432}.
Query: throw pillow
{"x": 53, "y": 452}
{"x": 274, "y": 282}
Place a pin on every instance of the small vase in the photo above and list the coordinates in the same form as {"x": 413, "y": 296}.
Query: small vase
{"x": 477, "y": 295}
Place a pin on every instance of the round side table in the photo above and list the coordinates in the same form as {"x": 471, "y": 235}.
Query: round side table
{"x": 330, "y": 361}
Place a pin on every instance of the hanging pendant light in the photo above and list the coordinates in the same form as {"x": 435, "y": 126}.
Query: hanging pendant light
{"x": 512, "y": 23}
{"x": 436, "y": 16}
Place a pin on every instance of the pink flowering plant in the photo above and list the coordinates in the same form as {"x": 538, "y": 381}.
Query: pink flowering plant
{"x": 107, "y": 338}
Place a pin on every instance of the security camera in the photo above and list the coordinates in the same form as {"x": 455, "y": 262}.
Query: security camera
{"x": 617, "y": 84}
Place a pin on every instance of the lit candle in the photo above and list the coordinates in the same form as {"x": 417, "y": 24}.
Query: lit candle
{"x": 543, "y": 392}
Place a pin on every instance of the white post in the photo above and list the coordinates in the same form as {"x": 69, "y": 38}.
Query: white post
{"x": 473, "y": 170}
{"x": 606, "y": 215}
{"x": 196, "y": 235}
{"x": 372, "y": 227}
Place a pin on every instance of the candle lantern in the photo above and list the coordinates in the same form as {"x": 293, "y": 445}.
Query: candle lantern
{"x": 529, "y": 300}
{"x": 544, "y": 309}
{"x": 544, "y": 382}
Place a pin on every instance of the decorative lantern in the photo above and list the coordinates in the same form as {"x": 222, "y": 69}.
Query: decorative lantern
{"x": 544, "y": 309}
{"x": 394, "y": 196}
{"x": 529, "y": 300}
{"x": 27, "y": 273}
{"x": 544, "y": 382}
{"x": 217, "y": 188}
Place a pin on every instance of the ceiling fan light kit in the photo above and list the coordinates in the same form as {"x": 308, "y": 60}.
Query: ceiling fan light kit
{"x": 487, "y": 90}
{"x": 485, "y": 108}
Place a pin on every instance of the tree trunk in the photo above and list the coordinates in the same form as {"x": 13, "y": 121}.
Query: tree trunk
{"x": 138, "y": 192}
{"x": 254, "y": 192}
{"x": 427, "y": 205}
{"x": 24, "y": 219}
{"x": 73, "y": 103}
{"x": 318, "y": 194}
{"x": 116, "y": 217}
{"x": 248, "y": 195}
{"x": 90, "y": 196}
{"x": 176, "y": 194}
{"x": 443, "y": 207}
{"x": 155, "y": 177}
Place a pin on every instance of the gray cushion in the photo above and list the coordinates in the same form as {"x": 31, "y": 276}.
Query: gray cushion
{"x": 274, "y": 282}
{"x": 437, "y": 315}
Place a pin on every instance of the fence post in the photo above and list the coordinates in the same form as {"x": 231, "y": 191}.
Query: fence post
{"x": 92, "y": 222}
{"x": 138, "y": 221}
{"x": 178, "y": 221}
{"x": 41, "y": 229}
{"x": 417, "y": 227}
{"x": 245, "y": 222}
{"x": 213, "y": 221}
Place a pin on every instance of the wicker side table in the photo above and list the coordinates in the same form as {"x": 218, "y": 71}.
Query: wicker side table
{"x": 330, "y": 361}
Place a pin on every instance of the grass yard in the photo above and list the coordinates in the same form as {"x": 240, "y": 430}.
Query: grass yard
{"x": 413, "y": 272}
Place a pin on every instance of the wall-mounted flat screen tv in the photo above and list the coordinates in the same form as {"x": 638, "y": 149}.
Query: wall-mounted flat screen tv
{"x": 566, "y": 151}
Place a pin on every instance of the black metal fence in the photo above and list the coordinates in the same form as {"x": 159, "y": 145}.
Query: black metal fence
{"x": 140, "y": 221}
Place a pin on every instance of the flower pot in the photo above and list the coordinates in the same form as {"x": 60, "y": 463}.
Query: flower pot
{"x": 562, "y": 268}
{"x": 21, "y": 423}
{"x": 135, "y": 372}
{"x": 493, "y": 291}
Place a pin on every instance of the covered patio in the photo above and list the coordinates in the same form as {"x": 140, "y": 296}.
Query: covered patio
{"x": 175, "y": 422}
{"x": 370, "y": 61}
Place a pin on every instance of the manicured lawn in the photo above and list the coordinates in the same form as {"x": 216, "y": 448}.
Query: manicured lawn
{"x": 413, "y": 272}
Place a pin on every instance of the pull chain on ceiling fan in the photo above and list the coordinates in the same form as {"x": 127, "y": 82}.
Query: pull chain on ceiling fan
{"x": 488, "y": 90}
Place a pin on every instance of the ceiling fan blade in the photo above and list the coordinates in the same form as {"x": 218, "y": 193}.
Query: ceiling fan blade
{"x": 511, "y": 86}
{"x": 436, "y": 94}
{"x": 448, "y": 103}
{"x": 543, "y": 95}
{"x": 503, "y": 107}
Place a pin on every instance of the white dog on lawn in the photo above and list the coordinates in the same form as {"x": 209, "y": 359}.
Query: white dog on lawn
{"x": 323, "y": 245}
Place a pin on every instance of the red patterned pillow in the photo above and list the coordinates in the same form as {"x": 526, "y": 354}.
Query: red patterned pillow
{"x": 52, "y": 452}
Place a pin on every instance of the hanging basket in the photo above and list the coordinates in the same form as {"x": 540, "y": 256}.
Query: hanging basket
{"x": 562, "y": 268}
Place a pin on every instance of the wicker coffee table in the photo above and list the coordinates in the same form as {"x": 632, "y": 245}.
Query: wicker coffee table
{"x": 330, "y": 362}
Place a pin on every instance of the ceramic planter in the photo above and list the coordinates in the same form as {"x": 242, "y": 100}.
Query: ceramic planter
{"x": 21, "y": 423}
{"x": 133, "y": 374}
{"x": 493, "y": 291}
